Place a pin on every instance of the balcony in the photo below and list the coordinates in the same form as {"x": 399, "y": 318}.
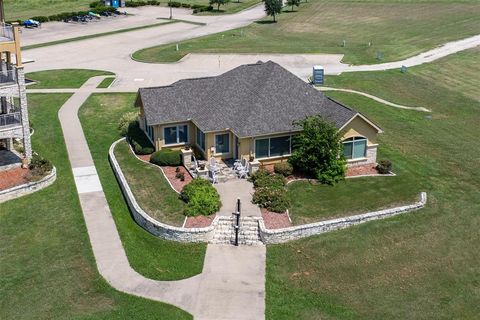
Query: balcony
{"x": 8, "y": 76}
{"x": 10, "y": 119}
{"x": 6, "y": 33}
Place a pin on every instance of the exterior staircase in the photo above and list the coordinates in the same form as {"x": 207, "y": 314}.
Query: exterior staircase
{"x": 248, "y": 235}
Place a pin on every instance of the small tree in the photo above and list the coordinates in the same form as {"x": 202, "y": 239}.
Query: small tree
{"x": 318, "y": 150}
{"x": 219, "y": 3}
{"x": 293, "y": 3}
{"x": 273, "y": 8}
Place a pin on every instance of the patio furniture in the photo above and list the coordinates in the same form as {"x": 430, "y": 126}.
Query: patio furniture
{"x": 214, "y": 167}
{"x": 243, "y": 172}
{"x": 240, "y": 165}
{"x": 212, "y": 176}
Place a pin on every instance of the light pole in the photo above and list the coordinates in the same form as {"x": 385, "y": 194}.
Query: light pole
{"x": 170, "y": 5}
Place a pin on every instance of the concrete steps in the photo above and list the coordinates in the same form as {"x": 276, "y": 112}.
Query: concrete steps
{"x": 249, "y": 233}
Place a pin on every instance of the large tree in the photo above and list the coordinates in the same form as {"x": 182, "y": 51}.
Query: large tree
{"x": 219, "y": 3}
{"x": 293, "y": 3}
{"x": 273, "y": 8}
{"x": 318, "y": 150}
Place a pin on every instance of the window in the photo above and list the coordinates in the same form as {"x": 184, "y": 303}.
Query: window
{"x": 176, "y": 134}
{"x": 273, "y": 147}
{"x": 222, "y": 143}
{"x": 148, "y": 129}
{"x": 354, "y": 148}
{"x": 201, "y": 139}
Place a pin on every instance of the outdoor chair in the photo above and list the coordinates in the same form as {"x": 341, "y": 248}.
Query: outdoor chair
{"x": 241, "y": 165}
{"x": 212, "y": 176}
{"x": 243, "y": 172}
{"x": 214, "y": 167}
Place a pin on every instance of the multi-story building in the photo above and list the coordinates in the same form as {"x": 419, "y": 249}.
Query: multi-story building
{"x": 14, "y": 123}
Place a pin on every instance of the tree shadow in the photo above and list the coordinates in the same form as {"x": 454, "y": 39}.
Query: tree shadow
{"x": 265, "y": 22}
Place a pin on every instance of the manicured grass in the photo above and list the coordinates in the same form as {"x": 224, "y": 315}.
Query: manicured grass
{"x": 106, "y": 83}
{"x": 150, "y": 188}
{"x": 420, "y": 265}
{"x": 152, "y": 257}
{"x": 25, "y": 9}
{"x": 47, "y": 266}
{"x": 315, "y": 202}
{"x": 396, "y": 29}
{"x": 64, "y": 78}
{"x": 232, "y": 7}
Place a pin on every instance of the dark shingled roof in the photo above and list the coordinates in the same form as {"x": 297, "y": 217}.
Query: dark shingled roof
{"x": 251, "y": 100}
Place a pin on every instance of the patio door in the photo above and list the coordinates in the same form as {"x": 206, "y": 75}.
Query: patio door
{"x": 236, "y": 155}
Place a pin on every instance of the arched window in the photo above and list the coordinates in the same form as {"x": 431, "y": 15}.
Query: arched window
{"x": 354, "y": 148}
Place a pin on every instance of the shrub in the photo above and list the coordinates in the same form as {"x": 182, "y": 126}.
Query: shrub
{"x": 40, "y": 19}
{"x": 318, "y": 150}
{"x": 272, "y": 199}
{"x": 137, "y": 138}
{"x": 39, "y": 167}
{"x": 384, "y": 166}
{"x": 273, "y": 181}
{"x": 259, "y": 174}
{"x": 125, "y": 121}
{"x": 174, "y": 4}
{"x": 283, "y": 168}
{"x": 166, "y": 158}
{"x": 201, "y": 198}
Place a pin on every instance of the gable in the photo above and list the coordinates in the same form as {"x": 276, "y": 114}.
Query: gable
{"x": 361, "y": 126}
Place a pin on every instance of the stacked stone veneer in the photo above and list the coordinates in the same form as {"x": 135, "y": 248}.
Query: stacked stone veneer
{"x": 298, "y": 232}
{"x": 370, "y": 157}
{"x": 24, "y": 189}
{"x": 252, "y": 229}
{"x": 153, "y": 226}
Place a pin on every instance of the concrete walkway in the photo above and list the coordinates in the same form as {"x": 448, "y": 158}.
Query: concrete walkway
{"x": 385, "y": 102}
{"x": 230, "y": 191}
{"x": 232, "y": 283}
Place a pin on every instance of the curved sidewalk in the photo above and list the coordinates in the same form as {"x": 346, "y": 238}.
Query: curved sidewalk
{"x": 385, "y": 102}
{"x": 232, "y": 283}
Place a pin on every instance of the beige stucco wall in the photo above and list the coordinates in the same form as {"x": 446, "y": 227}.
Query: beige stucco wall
{"x": 359, "y": 127}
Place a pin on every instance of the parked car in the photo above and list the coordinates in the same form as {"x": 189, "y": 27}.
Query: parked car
{"x": 30, "y": 23}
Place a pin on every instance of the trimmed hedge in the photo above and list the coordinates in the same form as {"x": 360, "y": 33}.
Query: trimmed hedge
{"x": 138, "y": 140}
{"x": 283, "y": 168}
{"x": 166, "y": 157}
{"x": 39, "y": 167}
{"x": 270, "y": 192}
{"x": 201, "y": 198}
{"x": 384, "y": 167}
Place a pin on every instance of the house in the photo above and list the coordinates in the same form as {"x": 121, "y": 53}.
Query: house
{"x": 14, "y": 123}
{"x": 248, "y": 112}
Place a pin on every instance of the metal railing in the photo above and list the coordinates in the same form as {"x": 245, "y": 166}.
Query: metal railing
{"x": 8, "y": 76}
{"x": 6, "y": 33}
{"x": 10, "y": 119}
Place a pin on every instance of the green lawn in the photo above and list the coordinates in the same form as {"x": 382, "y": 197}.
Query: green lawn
{"x": 63, "y": 79}
{"x": 106, "y": 83}
{"x": 152, "y": 257}
{"x": 421, "y": 265}
{"x": 314, "y": 202}
{"x": 150, "y": 188}
{"x": 396, "y": 29}
{"x": 47, "y": 267}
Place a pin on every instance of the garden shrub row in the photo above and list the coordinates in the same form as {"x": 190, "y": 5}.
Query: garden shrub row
{"x": 166, "y": 157}
{"x": 66, "y": 15}
{"x": 135, "y": 4}
{"x": 201, "y": 198}
{"x": 130, "y": 128}
{"x": 283, "y": 168}
{"x": 39, "y": 167}
{"x": 270, "y": 192}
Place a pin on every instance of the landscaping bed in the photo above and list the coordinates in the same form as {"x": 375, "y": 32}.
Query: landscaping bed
{"x": 275, "y": 220}
{"x": 14, "y": 177}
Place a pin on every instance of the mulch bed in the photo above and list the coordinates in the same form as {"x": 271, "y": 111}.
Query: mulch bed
{"x": 177, "y": 184}
{"x": 367, "y": 169}
{"x": 274, "y": 220}
{"x": 144, "y": 157}
{"x": 13, "y": 177}
{"x": 199, "y": 222}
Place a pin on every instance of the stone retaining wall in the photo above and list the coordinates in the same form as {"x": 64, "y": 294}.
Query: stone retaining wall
{"x": 153, "y": 226}
{"x": 293, "y": 233}
{"x": 31, "y": 187}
